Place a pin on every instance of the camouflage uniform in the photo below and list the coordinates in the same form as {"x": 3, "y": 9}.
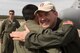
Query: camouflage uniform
{"x": 60, "y": 39}
{"x": 6, "y": 28}
{"x": 37, "y": 43}
{"x": 33, "y": 26}
{"x": 18, "y": 45}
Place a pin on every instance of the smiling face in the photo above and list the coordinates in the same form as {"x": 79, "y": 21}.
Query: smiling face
{"x": 47, "y": 19}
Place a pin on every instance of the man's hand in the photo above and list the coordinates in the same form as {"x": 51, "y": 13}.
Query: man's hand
{"x": 20, "y": 35}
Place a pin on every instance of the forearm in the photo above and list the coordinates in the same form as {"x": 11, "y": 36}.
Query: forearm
{"x": 49, "y": 38}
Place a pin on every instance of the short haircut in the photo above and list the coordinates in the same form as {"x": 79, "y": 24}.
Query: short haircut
{"x": 11, "y": 11}
{"x": 28, "y": 11}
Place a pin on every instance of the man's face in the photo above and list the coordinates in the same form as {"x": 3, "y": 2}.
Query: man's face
{"x": 47, "y": 19}
{"x": 11, "y": 14}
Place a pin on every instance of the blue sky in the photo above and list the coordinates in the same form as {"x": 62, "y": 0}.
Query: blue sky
{"x": 17, "y": 5}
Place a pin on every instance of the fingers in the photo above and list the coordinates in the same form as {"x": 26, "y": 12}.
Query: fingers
{"x": 16, "y": 38}
{"x": 14, "y": 34}
{"x": 20, "y": 36}
{"x": 20, "y": 39}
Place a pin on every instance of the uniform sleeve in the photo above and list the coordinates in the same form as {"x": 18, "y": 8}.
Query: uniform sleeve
{"x": 2, "y": 27}
{"x": 48, "y": 38}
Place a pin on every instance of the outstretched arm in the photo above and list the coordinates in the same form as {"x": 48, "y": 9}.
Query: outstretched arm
{"x": 47, "y": 37}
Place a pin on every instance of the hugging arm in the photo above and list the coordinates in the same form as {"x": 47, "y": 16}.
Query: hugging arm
{"x": 49, "y": 38}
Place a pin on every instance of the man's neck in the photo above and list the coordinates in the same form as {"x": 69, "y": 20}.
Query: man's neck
{"x": 11, "y": 19}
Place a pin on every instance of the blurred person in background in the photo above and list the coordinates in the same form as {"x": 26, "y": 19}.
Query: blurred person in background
{"x": 10, "y": 24}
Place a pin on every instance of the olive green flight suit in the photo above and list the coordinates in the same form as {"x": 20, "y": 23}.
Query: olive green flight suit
{"x": 65, "y": 37}
{"x": 6, "y": 28}
{"x": 19, "y": 46}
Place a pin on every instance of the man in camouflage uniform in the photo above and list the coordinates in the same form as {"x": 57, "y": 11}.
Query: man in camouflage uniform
{"x": 10, "y": 24}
